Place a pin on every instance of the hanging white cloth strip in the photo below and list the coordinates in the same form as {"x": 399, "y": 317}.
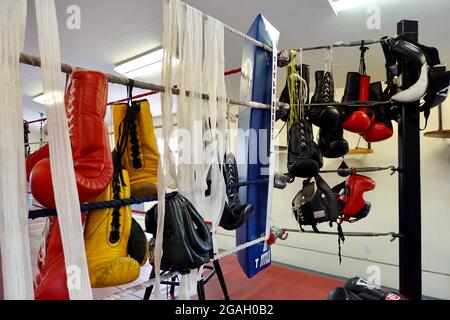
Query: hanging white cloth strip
{"x": 201, "y": 124}
{"x": 62, "y": 169}
{"x": 166, "y": 165}
{"x": 216, "y": 122}
{"x": 191, "y": 117}
{"x": 328, "y": 59}
{"x": 15, "y": 246}
{"x": 190, "y": 109}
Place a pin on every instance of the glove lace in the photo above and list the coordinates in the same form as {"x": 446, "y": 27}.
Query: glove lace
{"x": 71, "y": 106}
{"x": 134, "y": 140}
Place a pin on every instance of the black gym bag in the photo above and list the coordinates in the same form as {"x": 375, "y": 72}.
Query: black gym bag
{"x": 187, "y": 242}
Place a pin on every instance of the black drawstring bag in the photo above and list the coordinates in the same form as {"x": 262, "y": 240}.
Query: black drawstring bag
{"x": 187, "y": 242}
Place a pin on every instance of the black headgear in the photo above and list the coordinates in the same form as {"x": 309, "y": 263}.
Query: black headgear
{"x": 312, "y": 207}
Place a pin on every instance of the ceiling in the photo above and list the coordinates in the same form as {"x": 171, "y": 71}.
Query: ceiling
{"x": 114, "y": 30}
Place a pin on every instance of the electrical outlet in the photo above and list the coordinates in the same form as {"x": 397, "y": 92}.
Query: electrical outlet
{"x": 368, "y": 248}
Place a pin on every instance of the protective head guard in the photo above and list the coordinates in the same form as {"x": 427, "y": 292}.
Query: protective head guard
{"x": 367, "y": 291}
{"x": 187, "y": 240}
{"x": 283, "y": 58}
{"x": 234, "y": 213}
{"x": 234, "y": 217}
{"x": 311, "y": 208}
{"x": 342, "y": 294}
{"x": 395, "y": 49}
{"x": 353, "y": 207}
{"x": 437, "y": 90}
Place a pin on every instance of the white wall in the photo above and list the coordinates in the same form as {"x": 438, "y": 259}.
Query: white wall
{"x": 319, "y": 252}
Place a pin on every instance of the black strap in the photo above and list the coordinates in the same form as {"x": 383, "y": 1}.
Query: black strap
{"x": 118, "y": 180}
{"x": 314, "y": 227}
{"x": 341, "y": 237}
{"x": 426, "y": 113}
{"x": 339, "y": 187}
{"x": 67, "y": 83}
{"x": 362, "y": 60}
{"x": 26, "y": 132}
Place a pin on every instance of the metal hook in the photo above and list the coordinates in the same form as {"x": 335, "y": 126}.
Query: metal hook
{"x": 394, "y": 170}
{"x": 395, "y": 236}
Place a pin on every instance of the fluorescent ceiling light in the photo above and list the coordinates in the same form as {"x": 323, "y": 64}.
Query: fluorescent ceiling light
{"x": 145, "y": 63}
{"x": 50, "y": 98}
{"x": 343, "y": 5}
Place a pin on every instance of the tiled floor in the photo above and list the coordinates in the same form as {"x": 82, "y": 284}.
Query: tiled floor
{"x": 274, "y": 283}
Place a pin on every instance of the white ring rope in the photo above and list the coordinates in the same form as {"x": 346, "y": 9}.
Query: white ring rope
{"x": 151, "y": 282}
{"x": 234, "y": 250}
{"x": 139, "y": 287}
{"x": 239, "y": 248}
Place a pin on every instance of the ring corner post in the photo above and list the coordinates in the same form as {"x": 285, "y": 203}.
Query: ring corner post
{"x": 410, "y": 246}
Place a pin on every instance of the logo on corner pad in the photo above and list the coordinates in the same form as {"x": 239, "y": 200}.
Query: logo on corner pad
{"x": 263, "y": 260}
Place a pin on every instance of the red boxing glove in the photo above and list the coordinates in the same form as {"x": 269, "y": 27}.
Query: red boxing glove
{"x": 359, "y": 121}
{"x": 378, "y": 131}
{"x": 35, "y": 157}
{"x": 381, "y": 127}
{"x": 51, "y": 281}
{"x": 86, "y": 108}
{"x": 364, "y": 95}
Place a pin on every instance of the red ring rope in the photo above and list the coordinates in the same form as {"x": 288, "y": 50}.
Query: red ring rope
{"x": 145, "y": 94}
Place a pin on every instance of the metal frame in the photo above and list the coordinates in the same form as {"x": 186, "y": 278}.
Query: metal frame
{"x": 409, "y": 187}
{"x": 410, "y": 264}
{"x": 409, "y": 215}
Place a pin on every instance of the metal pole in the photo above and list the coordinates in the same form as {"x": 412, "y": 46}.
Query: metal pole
{"x": 340, "y": 44}
{"x": 410, "y": 245}
{"x": 440, "y": 118}
{"x": 66, "y": 68}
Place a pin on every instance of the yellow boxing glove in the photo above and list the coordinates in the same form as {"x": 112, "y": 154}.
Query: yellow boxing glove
{"x": 116, "y": 246}
{"x": 136, "y": 142}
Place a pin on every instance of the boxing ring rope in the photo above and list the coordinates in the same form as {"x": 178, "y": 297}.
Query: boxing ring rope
{"x": 165, "y": 277}
{"x": 150, "y": 93}
{"x": 343, "y": 44}
{"x": 126, "y": 292}
{"x": 35, "y": 142}
{"x": 145, "y": 94}
{"x": 37, "y": 120}
{"x": 66, "y": 68}
{"x": 348, "y": 171}
{"x": 151, "y": 282}
{"x": 41, "y": 213}
{"x": 394, "y": 235}
{"x": 142, "y": 95}
{"x": 233, "y": 71}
